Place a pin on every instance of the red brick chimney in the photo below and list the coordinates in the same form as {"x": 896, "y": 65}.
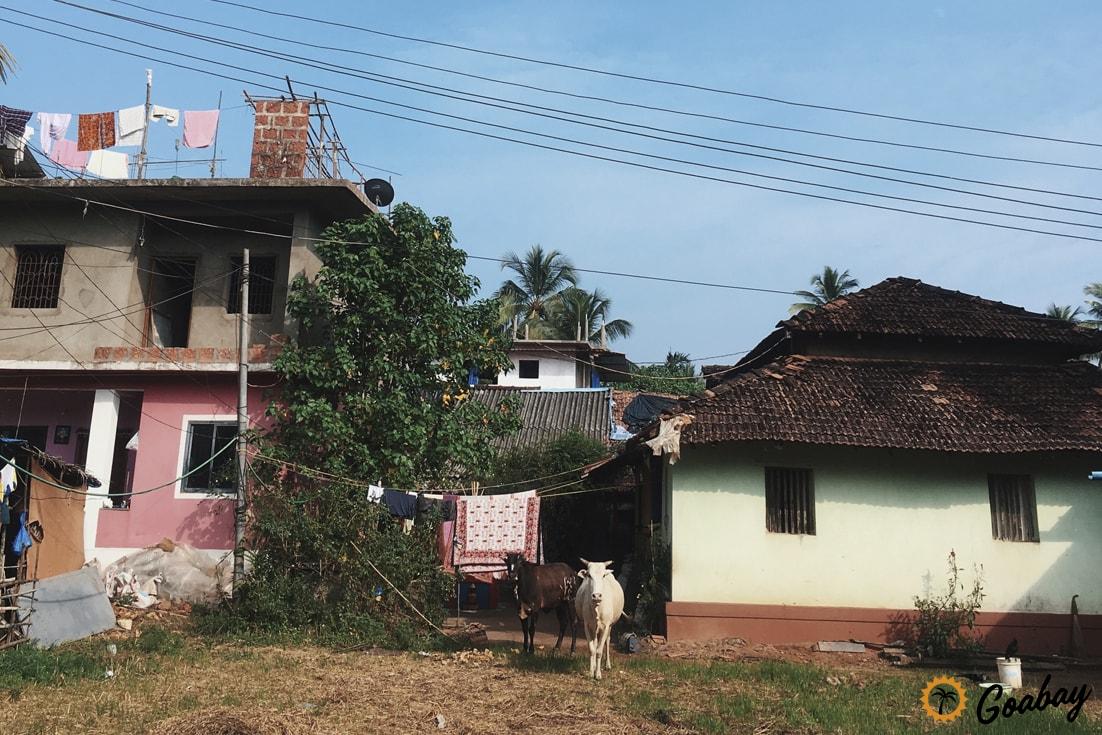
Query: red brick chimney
{"x": 279, "y": 139}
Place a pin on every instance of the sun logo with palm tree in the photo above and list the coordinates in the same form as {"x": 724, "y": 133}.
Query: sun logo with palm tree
{"x": 944, "y": 699}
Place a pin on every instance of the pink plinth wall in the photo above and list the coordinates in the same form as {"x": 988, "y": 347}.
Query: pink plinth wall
{"x": 200, "y": 521}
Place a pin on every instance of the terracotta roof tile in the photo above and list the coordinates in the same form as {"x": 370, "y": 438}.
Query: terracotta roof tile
{"x": 905, "y": 306}
{"x": 952, "y": 407}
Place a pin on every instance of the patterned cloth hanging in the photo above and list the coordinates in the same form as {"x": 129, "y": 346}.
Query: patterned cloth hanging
{"x": 95, "y": 131}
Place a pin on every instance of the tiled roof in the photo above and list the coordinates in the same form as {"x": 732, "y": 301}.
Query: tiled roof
{"x": 949, "y": 407}
{"x": 905, "y": 306}
{"x": 547, "y": 414}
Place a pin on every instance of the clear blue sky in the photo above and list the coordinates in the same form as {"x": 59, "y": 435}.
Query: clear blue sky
{"x": 1011, "y": 65}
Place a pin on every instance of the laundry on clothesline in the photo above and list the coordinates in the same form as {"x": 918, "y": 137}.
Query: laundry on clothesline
{"x": 489, "y": 527}
{"x": 95, "y": 131}
{"x": 400, "y": 503}
{"x": 52, "y": 127}
{"x": 200, "y": 127}
{"x": 108, "y": 165}
{"x": 21, "y": 541}
{"x": 170, "y": 115}
{"x": 9, "y": 478}
{"x": 65, "y": 153}
{"x": 132, "y": 124}
{"x": 13, "y": 122}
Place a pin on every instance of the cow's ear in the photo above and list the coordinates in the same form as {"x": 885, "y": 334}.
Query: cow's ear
{"x": 608, "y": 572}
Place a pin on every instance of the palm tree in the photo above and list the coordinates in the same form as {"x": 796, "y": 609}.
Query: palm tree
{"x": 1094, "y": 303}
{"x": 678, "y": 360}
{"x": 542, "y": 276}
{"x": 584, "y": 316}
{"x": 1066, "y": 313}
{"x": 826, "y": 286}
{"x": 7, "y": 63}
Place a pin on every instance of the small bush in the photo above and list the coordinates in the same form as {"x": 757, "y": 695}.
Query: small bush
{"x": 937, "y": 628}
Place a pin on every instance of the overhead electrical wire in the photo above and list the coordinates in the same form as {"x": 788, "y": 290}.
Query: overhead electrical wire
{"x": 567, "y": 151}
{"x": 535, "y": 110}
{"x": 652, "y": 108}
{"x": 665, "y": 82}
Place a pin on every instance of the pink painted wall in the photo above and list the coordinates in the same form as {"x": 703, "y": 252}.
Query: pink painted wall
{"x": 49, "y": 408}
{"x": 200, "y": 521}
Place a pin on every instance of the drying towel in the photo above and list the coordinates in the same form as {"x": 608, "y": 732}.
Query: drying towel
{"x": 65, "y": 154}
{"x": 445, "y": 533}
{"x": 108, "y": 165}
{"x": 13, "y": 121}
{"x": 200, "y": 127}
{"x": 400, "y": 503}
{"x": 131, "y": 125}
{"x": 95, "y": 131}
{"x": 52, "y": 127}
{"x": 488, "y": 527}
{"x": 374, "y": 493}
{"x": 170, "y": 115}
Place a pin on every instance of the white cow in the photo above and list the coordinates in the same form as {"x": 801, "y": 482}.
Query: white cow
{"x": 599, "y": 603}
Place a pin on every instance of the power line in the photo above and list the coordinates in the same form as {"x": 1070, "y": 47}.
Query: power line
{"x": 623, "y": 103}
{"x": 665, "y": 82}
{"x": 581, "y": 154}
{"x": 481, "y": 100}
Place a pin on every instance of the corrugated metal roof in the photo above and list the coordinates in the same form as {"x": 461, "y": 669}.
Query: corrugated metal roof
{"x": 546, "y": 414}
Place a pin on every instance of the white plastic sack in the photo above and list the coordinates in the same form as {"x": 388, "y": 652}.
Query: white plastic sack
{"x": 186, "y": 574}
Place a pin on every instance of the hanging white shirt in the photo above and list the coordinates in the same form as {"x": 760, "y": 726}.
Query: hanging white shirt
{"x": 170, "y": 115}
{"x": 131, "y": 125}
{"x": 9, "y": 478}
{"x": 52, "y": 126}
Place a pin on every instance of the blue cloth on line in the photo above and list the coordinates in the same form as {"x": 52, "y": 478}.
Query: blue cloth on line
{"x": 400, "y": 503}
{"x": 22, "y": 540}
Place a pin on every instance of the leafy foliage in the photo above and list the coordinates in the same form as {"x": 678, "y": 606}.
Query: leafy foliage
{"x": 570, "y": 519}
{"x": 826, "y": 286}
{"x": 373, "y": 390}
{"x": 7, "y": 63}
{"x": 653, "y": 582}
{"x": 940, "y": 618}
{"x": 670, "y": 377}
{"x": 1065, "y": 313}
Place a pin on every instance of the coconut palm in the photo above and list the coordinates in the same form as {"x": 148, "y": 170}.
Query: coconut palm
{"x": 678, "y": 360}
{"x": 583, "y": 315}
{"x": 542, "y": 275}
{"x": 826, "y": 286}
{"x": 1066, "y": 313}
{"x": 7, "y": 63}
{"x": 1094, "y": 303}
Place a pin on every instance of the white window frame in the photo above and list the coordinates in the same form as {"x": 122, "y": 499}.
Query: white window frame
{"x": 186, "y": 421}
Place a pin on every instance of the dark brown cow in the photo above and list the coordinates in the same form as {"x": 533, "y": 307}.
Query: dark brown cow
{"x": 543, "y": 587}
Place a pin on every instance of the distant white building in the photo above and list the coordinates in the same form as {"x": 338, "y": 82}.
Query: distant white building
{"x": 560, "y": 364}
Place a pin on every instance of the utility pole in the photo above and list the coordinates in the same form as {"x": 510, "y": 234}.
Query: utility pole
{"x": 214, "y": 147}
{"x": 145, "y": 130}
{"x": 242, "y": 425}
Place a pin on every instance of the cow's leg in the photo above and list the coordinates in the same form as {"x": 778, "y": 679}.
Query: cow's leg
{"x": 591, "y": 641}
{"x": 563, "y": 615}
{"x": 573, "y": 630}
{"x": 532, "y": 618}
{"x": 608, "y": 648}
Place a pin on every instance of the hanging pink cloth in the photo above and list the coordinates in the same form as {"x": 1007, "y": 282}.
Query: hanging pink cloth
{"x": 65, "y": 153}
{"x": 200, "y": 127}
{"x": 488, "y": 527}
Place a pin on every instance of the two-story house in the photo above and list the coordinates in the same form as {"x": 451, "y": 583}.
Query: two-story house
{"x": 119, "y": 326}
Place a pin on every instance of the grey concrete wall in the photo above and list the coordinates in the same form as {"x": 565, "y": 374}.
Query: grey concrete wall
{"x": 115, "y": 251}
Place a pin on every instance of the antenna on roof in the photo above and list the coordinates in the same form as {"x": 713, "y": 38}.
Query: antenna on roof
{"x": 379, "y": 192}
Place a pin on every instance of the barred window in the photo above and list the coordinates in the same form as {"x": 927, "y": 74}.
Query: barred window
{"x": 1013, "y": 508}
{"x": 37, "y": 277}
{"x": 261, "y": 285}
{"x": 205, "y": 441}
{"x": 789, "y": 501}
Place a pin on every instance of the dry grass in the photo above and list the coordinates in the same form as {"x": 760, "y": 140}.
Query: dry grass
{"x": 233, "y": 689}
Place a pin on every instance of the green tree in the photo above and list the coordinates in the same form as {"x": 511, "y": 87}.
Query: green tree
{"x": 1094, "y": 303}
{"x": 676, "y": 376}
{"x": 1066, "y": 313}
{"x": 826, "y": 286}
{"x": 541, "y": 277}
{"x": 373, "y": 390}
{"x": 7, "y": 63}
{"x": 585, "y": 316}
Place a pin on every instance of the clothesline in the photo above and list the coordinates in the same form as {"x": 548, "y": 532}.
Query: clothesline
{"x": 98, "y": 132}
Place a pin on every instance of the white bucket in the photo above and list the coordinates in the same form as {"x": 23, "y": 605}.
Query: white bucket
{"x": 1010, "y": 672}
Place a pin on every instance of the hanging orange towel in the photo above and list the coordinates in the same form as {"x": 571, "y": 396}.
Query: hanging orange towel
{"x": 96, "y": 131}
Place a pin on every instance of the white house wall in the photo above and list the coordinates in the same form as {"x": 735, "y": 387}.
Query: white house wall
{"x": 885, "y": 523}
{"x": 555, "y": 372}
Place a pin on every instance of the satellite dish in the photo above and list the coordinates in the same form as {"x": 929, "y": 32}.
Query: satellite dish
{"x": 379, "y": 191}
